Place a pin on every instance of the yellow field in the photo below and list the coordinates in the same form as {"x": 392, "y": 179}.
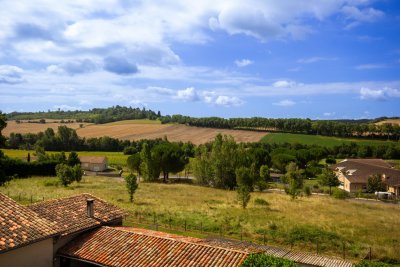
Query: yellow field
{"x": 392, "y": 121}
{"x": 140, "y": 129}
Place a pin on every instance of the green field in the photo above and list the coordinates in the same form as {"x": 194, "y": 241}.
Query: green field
{"x": 114, "y": 158}
{"x": 305, "y": 221}
{"x": 134, "y": 122}
{"x": 305, "y": 139}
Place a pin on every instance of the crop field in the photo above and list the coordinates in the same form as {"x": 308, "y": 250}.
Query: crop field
{"x": 305, "y": 221}
{"x": 392, "y": 121}
{"x": 316, "y": 140}
{"x": 140, "y": 129}
{"x": 114, "y": 158}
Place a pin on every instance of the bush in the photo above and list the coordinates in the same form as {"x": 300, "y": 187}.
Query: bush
{"x": 261, "y": 202}
{"x": 65, "y": 173}
{"x": 307, "y": 191}
{"x": 340, "y": 194}
{"x": 261, "y": 259}
{"x": 330, "y": 160}
{"x": 372, "y": 264}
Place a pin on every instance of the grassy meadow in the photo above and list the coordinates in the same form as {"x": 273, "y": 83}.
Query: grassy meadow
{"x": 305, "y": 139}
{"x": 284, "y": 222}
{"x": 114, "y": 158}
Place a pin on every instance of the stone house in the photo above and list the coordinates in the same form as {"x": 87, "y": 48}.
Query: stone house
{"x": 94, "y": 164}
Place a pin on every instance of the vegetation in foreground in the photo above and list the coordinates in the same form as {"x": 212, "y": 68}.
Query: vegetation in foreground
{"x": 302, "y": 223}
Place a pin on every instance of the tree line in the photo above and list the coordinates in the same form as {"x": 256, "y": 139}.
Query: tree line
{"x": 294, "y": 125}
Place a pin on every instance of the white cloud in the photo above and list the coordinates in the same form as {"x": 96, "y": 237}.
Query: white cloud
{"x": 284, "y": 103}
{"x": 243, "y": 62}
{"x": 370, "y": 66}
{"x": 328, "y": 114}
{"x": 356, "y": 15}
{"x": 378, "y": 94}
{"x": 188, "y": 94}
{"x": 228, "y": 101}
{"x": 283, "y": 84}
{"x": 315, "y": 59}
{"x": 10, "y": 74}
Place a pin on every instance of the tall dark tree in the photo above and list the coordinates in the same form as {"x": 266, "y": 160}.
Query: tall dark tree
{"x": 73, "y": 159}
{"x": 170, "y": 157}
{"x": 133, "y": 162}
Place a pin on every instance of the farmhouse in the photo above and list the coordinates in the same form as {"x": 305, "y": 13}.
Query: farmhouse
{"x": 353, "y": 174}
{"x": 95, "y": 164}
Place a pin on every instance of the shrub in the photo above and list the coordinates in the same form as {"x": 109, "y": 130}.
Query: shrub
{"x": 65, "y": 174}
{"x": 340, "y": 194}
{"x": 261, "y": 259}
{"x": 307, "y": 191}
{"x": 330, "y": 160}
{"x": 372, "y": 264}
{"x": 77, "y": 173}
{"x": 131, "y": 185}
{"x": 261, "y": 202}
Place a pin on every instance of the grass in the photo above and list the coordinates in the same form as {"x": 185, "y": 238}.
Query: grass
{"x": 114, "y": 158}
{"x": 321, "y": 218}
{"x": 134, "y": 122}
{"x": 327, "y": 141}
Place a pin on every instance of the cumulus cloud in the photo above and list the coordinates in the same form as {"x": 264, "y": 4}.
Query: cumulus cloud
{"x": 119, "y": 65}
{"x": 73, "y": 67}
{"x": 188, "y": 94}
{"x": 10, "y": 74}
{"x": 214, "y": 98}
{"x": 378, "y": 94}
{"x": 243, "y": 62}
{"x": 284, "y": 103}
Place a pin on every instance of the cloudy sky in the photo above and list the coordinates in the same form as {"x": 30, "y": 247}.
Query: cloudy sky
{"x": 234, "y": 58}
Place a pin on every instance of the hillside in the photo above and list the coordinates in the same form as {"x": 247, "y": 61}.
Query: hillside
{"x": 137, "y": 130}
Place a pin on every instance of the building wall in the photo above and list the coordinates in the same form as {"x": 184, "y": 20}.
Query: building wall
{"x": 95, "y": 167}
{"x": 394, "y": 189}
{"x": 39, "y": 254}
{"x": 357, "y": 187}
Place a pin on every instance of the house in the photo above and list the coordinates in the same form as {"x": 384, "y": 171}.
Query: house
{"x": 94, "y": 164}
{"x": 32, "y": 235}
{"x": 353, "y": 174}
{"x": 26, "y": 239}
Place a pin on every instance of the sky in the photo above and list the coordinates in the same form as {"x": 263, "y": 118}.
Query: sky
{"x": 331, "y": 59}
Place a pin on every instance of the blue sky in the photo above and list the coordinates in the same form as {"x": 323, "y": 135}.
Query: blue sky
{"x": 289, "y": 58}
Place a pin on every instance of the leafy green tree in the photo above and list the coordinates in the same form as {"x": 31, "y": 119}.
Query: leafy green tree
{"x": 294, "y": 177}
{"x": 170, "y": 157}
{"x": 3, "y": 125}
{"x": 202, "y": 166}
{"x": 73, "y": 159}
{"x": 262, "y": 259}
{"x": 133, "y": 162}
{"x": 375, "y": 183}
{"x": 264, "y": 173}
{"x": 77, "y": 173}
{"x": 280, "y": 161}
{"x": 131, "y": 185}
{"x": 244, "y": 178}
{"x": 150, "y": 170}
{"x": 65, "y": 174}
{"x": 243, "y": 195}
{"x": 328, "y": 178}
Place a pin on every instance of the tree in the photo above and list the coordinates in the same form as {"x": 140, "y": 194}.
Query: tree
{"x": 262, "y": 259}
{"x": 294, "y": 177}
{"x": 375, "y": 183}
{"x": 131, "y": 185}
{"x": 133, "y": 162}
{"x": 243, "y": 195}
{"x": 77, "y": 173}
{"x": 169, "y": 157}
{"x": 244, "y": 178}
{"x": 65, "y": 174}
{"x": 150, "y": 170}
{"x": 3, "y": 125}
{"x": 202, "y": 166}
{"x": 328, "y": 178}
{"x": 73, "y": 159}
{"x": 264, "y": 173}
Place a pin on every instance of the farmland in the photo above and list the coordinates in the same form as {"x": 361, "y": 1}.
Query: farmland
{"x": 360, "y": 225}
{"x": 140, "y": 129}
{"x": 327, "y": 141}
{"x": 392, "y": 121}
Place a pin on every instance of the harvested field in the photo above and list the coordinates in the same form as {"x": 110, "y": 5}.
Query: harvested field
{"x": 174, "y": 132}
{"x": 26, "y": 127}
{"x": 392, "y": 121}
{"x": 137, "y": 130}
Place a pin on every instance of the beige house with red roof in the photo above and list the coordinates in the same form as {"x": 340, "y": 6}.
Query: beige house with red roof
{"x": 94, "y": 164}
{"x": 353, "y": 174}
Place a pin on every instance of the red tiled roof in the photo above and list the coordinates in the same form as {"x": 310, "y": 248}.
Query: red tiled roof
{"x": 159, "y": 234}
{"x": 20, "y": 226}
{"x": 69, "y": 214}
{"x": 92, "y": 159}
{"x": 115, "y": 247}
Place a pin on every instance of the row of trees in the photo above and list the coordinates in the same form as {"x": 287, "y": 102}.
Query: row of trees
{"x": 307, "y": 126}
{"x": 96, "y": 115}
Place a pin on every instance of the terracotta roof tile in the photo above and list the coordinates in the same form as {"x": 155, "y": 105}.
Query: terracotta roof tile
{"x": 116, "y": 247}
{"x": 69, "y": 214}
{"x": 20, "y": 226}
